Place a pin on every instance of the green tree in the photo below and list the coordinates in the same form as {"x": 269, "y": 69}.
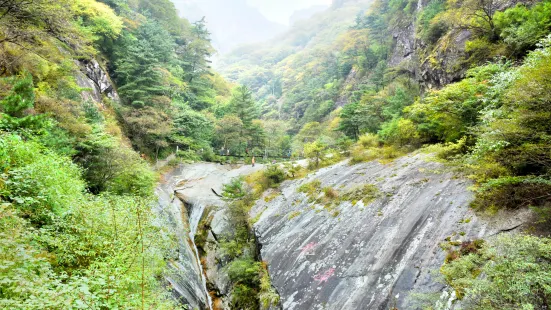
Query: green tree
{"x": 194, "y": 53}
{"x": 243, "y": 105}
{"x": 229, "y": 134}
{"x": 350, "y": 123}
{"x": 16, "y": 109}
{"x": 139, "y": 65}
{"x": 511, "y": 272}
{"x": 192, "y": 128}
{"x": 315, "y": 152}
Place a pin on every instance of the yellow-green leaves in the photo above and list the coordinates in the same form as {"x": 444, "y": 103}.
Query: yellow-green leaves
{"x": 98, "y": 19}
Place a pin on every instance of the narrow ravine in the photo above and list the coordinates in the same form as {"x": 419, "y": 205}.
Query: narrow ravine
{"x": 184, "y": 194}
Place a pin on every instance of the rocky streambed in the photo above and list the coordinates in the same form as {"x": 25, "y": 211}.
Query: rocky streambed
{"x": 348, "y": 253}
{"x": 184, "y": 195}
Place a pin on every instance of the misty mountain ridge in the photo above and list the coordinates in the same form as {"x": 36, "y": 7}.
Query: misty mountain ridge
{"x": 231, "y": 23}
{"x": 307, "y": 13}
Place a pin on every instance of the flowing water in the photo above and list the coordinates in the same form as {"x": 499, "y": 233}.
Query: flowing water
{"x": 183, "y": 196}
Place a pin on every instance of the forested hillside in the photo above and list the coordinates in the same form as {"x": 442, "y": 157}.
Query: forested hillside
{"x": 465, "y": 80}
{"x": 75, "y": 198}
{"x": 92, "y": 92}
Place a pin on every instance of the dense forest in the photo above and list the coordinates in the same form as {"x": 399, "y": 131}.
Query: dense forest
{"x": 75, "y": 194}
{"x": 468, "y": 81}
{"x": 465, "y": 80}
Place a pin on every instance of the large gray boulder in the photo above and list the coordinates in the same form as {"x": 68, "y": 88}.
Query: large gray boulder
{"x": 366, "y": 256}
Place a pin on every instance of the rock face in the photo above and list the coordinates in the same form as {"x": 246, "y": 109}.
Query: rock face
{"x": 369, "y": 256}
{"x": 93, "y": 77}
{"x": 185, "y": 273}
{"x": 185, "y": 197}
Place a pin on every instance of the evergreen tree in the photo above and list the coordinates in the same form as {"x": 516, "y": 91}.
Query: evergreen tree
{"x": 15, "y": 109}
{"x": 140, "y": 59}
{"x": 194, "y": 54}
{"x": 243, "y": 105}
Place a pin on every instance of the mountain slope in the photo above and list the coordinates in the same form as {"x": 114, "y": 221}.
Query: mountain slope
{"x": 307, "y": 13}
{"x": 231, "y": 23}
{"x": 366, "y": 251}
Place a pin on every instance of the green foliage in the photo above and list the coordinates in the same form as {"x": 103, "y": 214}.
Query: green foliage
{"x": 234, "y": 190}
{"x": 400, "y": 132}
{"x": 315, "y": 152}
{"x": 369, "y": 140}
{"x": 447, "y": 115}
{"x": 275, "y": 174}
{"x": 64, "y": 248}
{"x": 244, "y": 271}
{"x": 311, "y": 189}
{"x": 365, "y": 193}
{"x": 510, "y": 272}
{"x": 16, "y": 108}
{"x": 513, "y": 192}
{"x": 268, "y": 295}
{"x": 431, "y": 29}
{"x": 112, "y": 168}
{"x": 98, "y": 19}
{"x": 522, "y": 27}
{"x": 249, "y": 278}
{"x": 192, "y": 128}
{"x": 39, "y": 183}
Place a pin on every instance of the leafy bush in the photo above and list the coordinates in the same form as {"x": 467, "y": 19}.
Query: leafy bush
{"x": 368, "y": 140}
{"x": 510, "y": 272}
{"x": 400, "y": 132}
{"x": 234, "y": 190}
{"x": 449, "y": 150}
{"x": 268, "y": 295}
{"x": 311, "y": 189}
{"x": 40, "y": 183}
{"x": 275, "y": 175}
{"x": 365, "y": 193}
{"x": 64, "y": 248}
{"x": 447, "y": 114}
{"x": 522, "y": 26}
{"x": 315, "y": 152}
{"x": 513, "y": 193}
{"x": 244, "y": 271}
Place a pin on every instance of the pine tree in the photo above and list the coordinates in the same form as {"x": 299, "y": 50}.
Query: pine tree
{"x": 140, "y": 61}
{"x": 243, "y": 105}
{"x": 15, "y": 109}
{"x": 194, "y": 54}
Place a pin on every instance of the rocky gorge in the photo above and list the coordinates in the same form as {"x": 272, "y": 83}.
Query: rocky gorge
{"x": 375, "y": 250}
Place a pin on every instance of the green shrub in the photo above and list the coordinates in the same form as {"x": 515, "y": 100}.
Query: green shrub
{"x": 244, "y": 271}
{"x": 513, "y": 193}
{"x": 365, "y": 193}
{"x": 234, "y": 190}
{"x": 359, "y": 154}
{"x": 510, "y": 272}
{"x": 369, "y": 140}
{"x": 448, "y": 150}
{"x": 330, "y": 193}
{"x": 38, "y": 182}
{"x": 268, "y": 295}
{"x": 315, "y": 152}
{"x": 275, "y": 175}
{"x": 522, "y": 26}
{"x": 431, "y": 29}
{"x": 311, "y": 189}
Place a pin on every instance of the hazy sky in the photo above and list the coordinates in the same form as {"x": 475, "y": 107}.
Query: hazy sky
{"x": 280, "y": 10}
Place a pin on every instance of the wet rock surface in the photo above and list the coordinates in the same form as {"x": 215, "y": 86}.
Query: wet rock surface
{"x": 185, "y": 197}
{"x": 184, "y": 274}
{"x": 96, "y": 80}
{"x": 366, "y": 256}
